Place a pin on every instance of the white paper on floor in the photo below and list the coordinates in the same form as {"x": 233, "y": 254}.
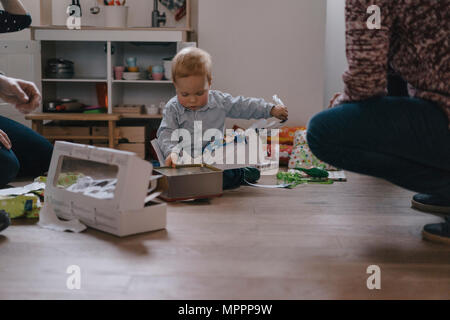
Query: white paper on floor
{"x": 22, "y": 190}
{"x": 49, "y": 220}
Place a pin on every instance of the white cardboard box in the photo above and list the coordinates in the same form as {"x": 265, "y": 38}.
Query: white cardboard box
{"x": 125, "y": 213}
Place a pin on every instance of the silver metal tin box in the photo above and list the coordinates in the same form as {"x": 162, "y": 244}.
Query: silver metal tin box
{"x": 190, "y": 182}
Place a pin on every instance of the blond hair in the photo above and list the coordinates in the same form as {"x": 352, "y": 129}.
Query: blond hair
{"x": 191, "y": 62}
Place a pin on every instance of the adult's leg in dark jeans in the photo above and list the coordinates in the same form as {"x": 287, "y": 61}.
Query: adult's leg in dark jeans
{"x": 9, "y": 166}
{"x": 32, "y": 151}
{"x": 403, "y": 140}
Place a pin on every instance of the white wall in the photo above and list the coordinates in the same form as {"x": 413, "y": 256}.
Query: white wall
{"x": 335, "y": 59}
{"x": 266, "y": 47}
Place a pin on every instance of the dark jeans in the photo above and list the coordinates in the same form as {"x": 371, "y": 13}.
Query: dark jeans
{"x": 30, "y": 154}
{"x": 403, "y": 140}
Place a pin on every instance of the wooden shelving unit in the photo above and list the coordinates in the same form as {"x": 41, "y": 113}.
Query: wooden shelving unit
{"x": 95, "y": 51}
{"x": 75, "y": 80}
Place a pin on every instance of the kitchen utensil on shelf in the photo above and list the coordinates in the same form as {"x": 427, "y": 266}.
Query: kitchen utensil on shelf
{"x": 157, "y": 76}
{"x": 59, "y": 69}
{"x": 133, "y": 69}
{"x": 131, "y": 75}
{"x": 94, "y": 110}
{"x": 64, "y": 105}
{"x": 115, "y": 16}
{"x": 115, "y": 2}
{"x": 118, "y": 72}
{"x": 168, "y": 68}
{"x": 94, "y": 9}
{"x": 157, "y": 17}
{"x": 152, "y": 110}
{"x": 70, "y": 107}
{"x": 51, "y": 106}
{"x": 102, "y": 94}
{"x": 157, "y": 73}
{"x": 131, "y": 61}
{"x": 158, "y": 69}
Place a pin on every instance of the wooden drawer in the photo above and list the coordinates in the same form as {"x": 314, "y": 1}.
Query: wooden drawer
{"x": 138, "y": 148}
{"x": 132, "y": 134}
{"x": 50, "y": 131}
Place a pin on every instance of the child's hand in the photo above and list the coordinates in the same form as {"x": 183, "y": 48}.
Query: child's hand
{"x": 171, "y": 160}
{"x": 279, "y": 112}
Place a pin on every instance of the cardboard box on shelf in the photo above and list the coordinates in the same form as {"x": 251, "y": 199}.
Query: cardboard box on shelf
{"x": 129, "y": 109}
{"x": 115, "y": 199}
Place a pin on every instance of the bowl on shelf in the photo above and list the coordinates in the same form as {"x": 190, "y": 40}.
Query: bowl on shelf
{"x": 158, "y": 69}
{"x": 131, "y": 75}
{"x": 152, "y": 110}
{"x": 157, "y": 76}
{"x": 133, "y": 69}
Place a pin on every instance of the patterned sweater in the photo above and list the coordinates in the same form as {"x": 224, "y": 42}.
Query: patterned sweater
{"x": 413, "y": 40}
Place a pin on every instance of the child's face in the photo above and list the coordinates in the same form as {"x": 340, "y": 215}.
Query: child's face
{"x": 192, "y": 92}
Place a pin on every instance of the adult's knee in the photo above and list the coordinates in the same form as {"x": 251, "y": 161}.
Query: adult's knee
{"x": 9, "y": 166}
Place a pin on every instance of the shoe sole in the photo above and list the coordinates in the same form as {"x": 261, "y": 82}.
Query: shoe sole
{"x": 430, "y": 208}
{"x": 434, "y": 238}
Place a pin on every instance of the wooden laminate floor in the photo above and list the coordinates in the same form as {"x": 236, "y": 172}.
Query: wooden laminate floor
{"x": 313, "y": 242}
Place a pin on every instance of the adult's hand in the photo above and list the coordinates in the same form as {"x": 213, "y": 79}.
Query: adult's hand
{"x": 4, "y": 140}
{"x": 23, "y": 94}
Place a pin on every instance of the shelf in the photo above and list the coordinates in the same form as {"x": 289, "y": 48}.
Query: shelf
{"x": 140, "y": 116}
{"x": 77, "y": 137}
{"x": 111, "y": 28}
{"x": 61, "y": 33}
{"x": 143, "y": 81}
{"x": 74, "y": 80}
{"x": 73, "y": 116}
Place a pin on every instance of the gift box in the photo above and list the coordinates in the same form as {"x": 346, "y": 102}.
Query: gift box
{"x": 287, "y": 135}
{"x": 302, "y": 157}
{"x": 104, "y": 189}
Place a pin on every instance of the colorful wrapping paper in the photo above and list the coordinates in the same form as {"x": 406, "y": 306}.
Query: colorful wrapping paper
{"x": 302, "y": 157}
